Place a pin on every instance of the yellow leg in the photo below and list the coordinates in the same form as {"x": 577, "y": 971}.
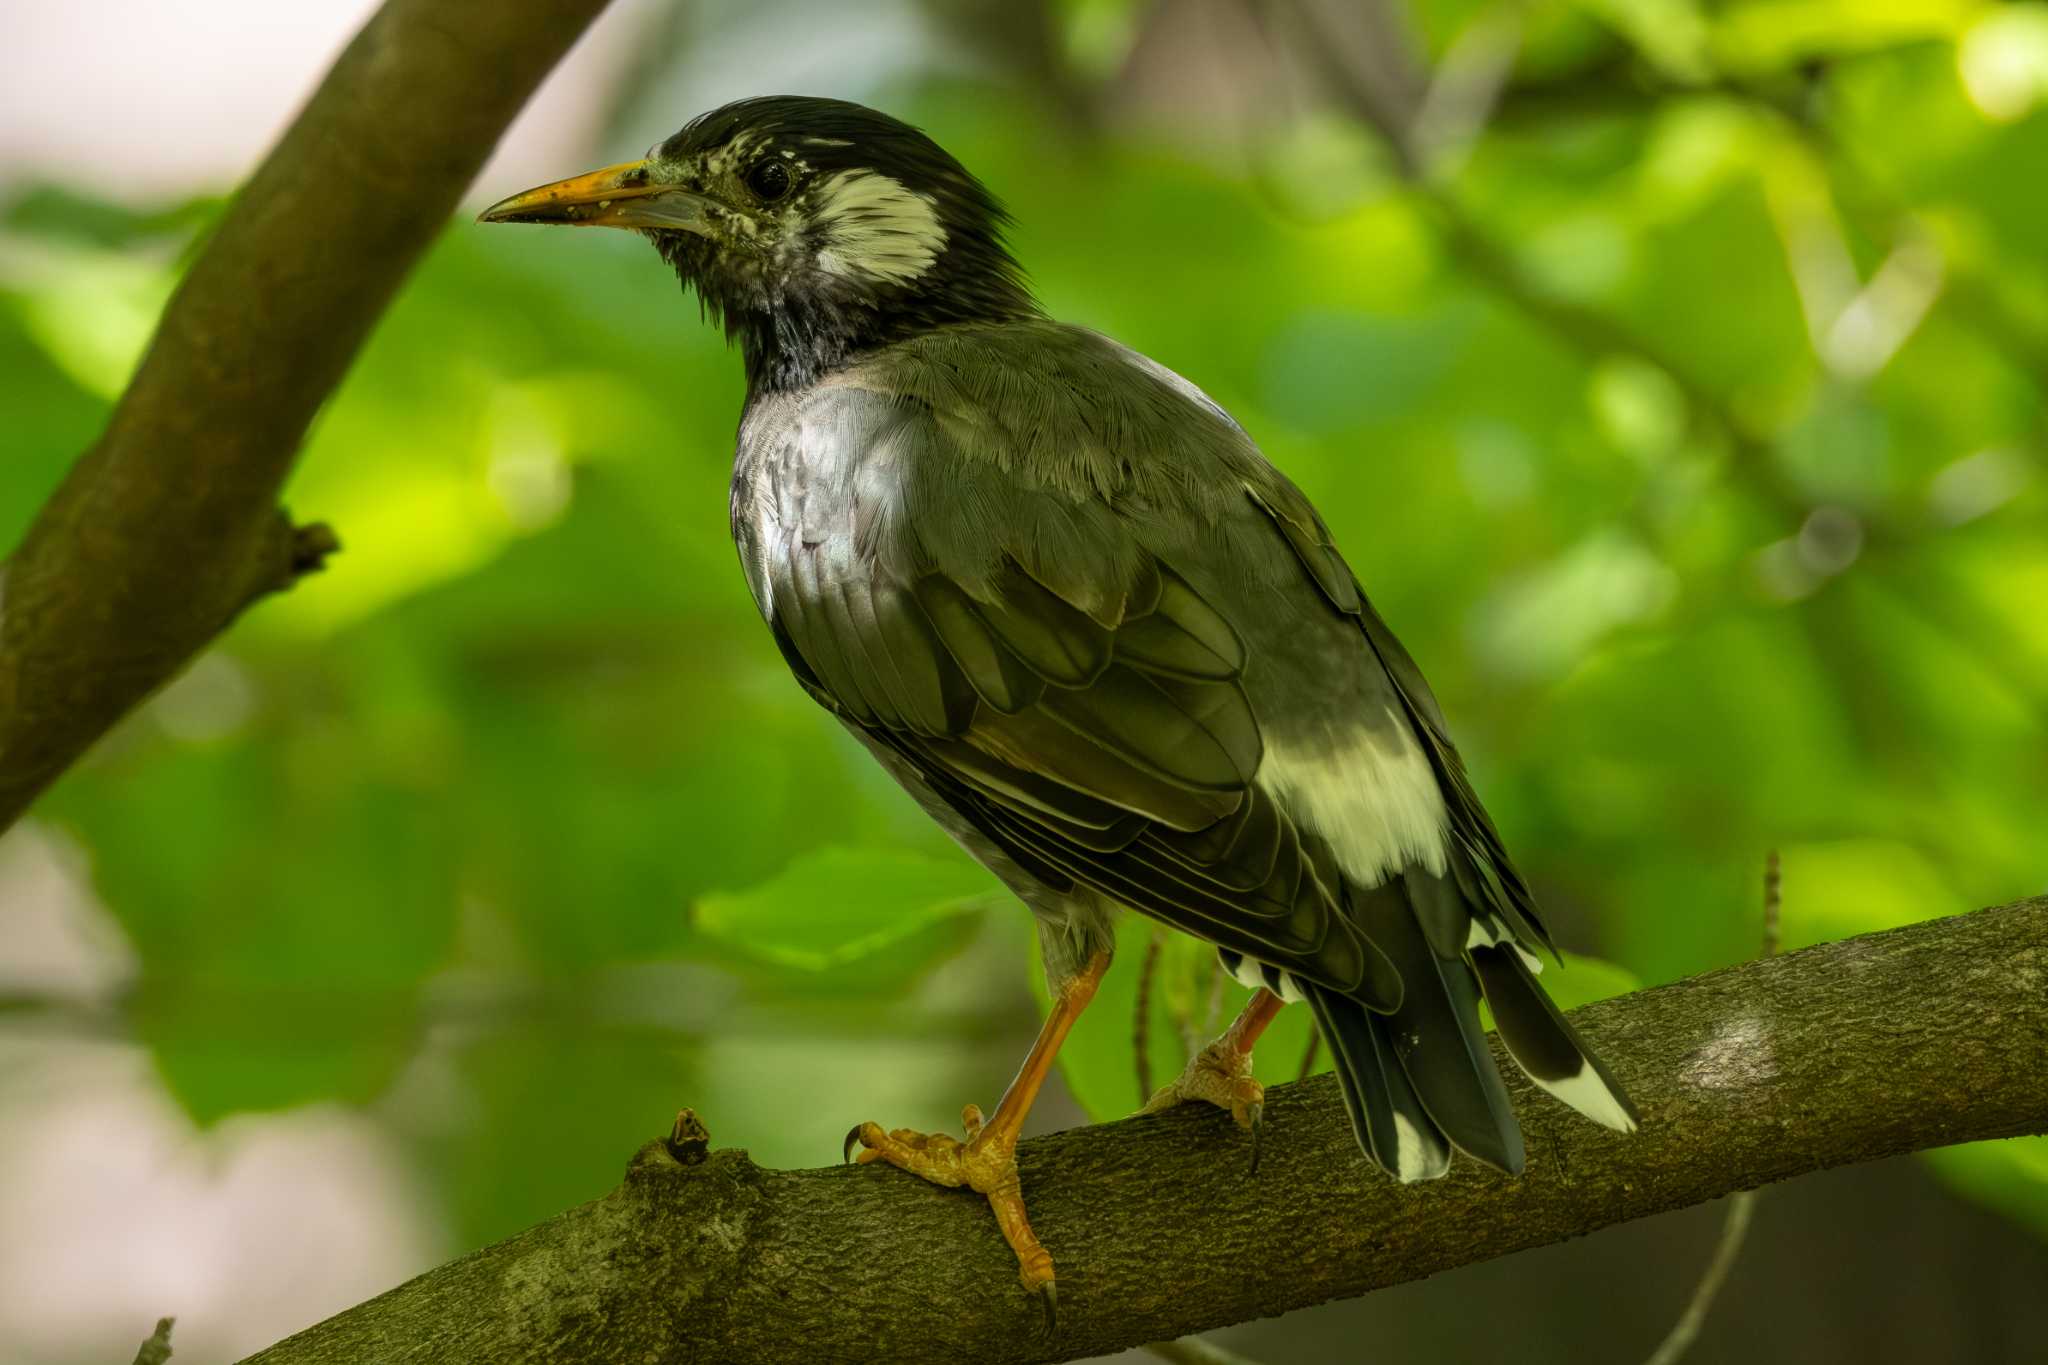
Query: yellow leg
{"x": 987, "y": 1162}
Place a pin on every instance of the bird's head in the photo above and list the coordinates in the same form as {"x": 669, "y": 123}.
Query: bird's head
{"x": 813, "y": 228}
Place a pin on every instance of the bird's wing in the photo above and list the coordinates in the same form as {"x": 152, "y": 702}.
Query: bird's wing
{"x": 1486, "y": 874}
{"x": 1011, "y": 628}
{"x": 1457, "y": 934}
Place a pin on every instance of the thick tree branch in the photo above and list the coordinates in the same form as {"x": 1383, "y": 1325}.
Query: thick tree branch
{"x": 1741, "y": 1206}
{"x": 1889, "y": 1043}
{"x": 169, "y": 526}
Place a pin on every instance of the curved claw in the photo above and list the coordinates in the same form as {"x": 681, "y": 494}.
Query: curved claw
{"x": 1049, "y": 1295}
{"x": 852, "y": 1141}
{"x": 1255, "y": 1119}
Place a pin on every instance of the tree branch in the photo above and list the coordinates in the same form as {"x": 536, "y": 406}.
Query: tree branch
{"x": 1741, "y": 1206}
{"x": 1919, "y": 1037}
{"x": 169, "y": 526}
{"x": 157, "y": 1349}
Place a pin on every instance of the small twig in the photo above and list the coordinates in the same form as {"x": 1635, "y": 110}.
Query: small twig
{"x": 1185, "y": 1022}
{"x": 311, "y": 545}
{"x": 1741, "y": 1206}
{"x": 1683, "y": 1332}
{"x": 689, "y": 1141}
{"x": 157, "y": 1349}
{"x": 1462, "y": 92}
{"x": 293, "y": 552}
{"x": 1212, "y": 1012}
{"x": 1771, "y": 898}
{"x": 1197, "y": 1351}
{"x": 1308, "y": 1058}
{"x": 1141, "y": 1017}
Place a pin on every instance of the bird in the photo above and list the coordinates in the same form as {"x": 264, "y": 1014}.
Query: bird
{"x": 1062, "y": 598}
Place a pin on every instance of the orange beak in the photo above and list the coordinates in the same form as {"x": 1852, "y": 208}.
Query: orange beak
{"x": 627, "y": 195}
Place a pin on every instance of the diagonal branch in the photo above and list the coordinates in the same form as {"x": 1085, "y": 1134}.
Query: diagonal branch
{"x": 169, "y": 526}
{"x": 1919, "y": 1037}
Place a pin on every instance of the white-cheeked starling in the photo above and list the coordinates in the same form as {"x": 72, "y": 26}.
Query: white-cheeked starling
{"x": 1058, "y": 593}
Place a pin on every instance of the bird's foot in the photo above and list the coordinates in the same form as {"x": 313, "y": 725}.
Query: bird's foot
{"x": 1221, "y": 1075}
{"x": 987, "y": 1164}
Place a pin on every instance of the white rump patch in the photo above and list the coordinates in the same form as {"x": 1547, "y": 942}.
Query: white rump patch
{"x": 1373, "y": 797}
{"x": 877, "y": 228}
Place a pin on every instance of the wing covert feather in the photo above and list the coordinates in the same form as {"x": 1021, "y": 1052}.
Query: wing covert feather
{"x": 1481, "y": 864}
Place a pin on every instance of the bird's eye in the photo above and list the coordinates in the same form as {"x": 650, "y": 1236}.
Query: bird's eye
{"x": 769, "y": 180}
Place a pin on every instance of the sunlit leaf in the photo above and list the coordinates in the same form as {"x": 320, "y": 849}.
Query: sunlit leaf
{"x": 837, "y": 905}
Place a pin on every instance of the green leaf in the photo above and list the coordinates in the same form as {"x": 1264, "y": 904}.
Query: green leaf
{"x": 224, "y": 1048}
{"x": 62, "y": 213}
{"x": 837, "y": 905}
{"x": 285, "y": 912}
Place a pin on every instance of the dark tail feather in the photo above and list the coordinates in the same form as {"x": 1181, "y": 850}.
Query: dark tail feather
{"x": 1391, "y": 1124}
{"x": 1437, "y": 1034}
{"x": 1430, "y": 1048}
{"x": 1543, "y": 1044}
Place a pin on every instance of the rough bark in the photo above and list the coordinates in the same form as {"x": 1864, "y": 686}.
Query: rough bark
{"x": 1888, "y": 1043}
{"x": 169, "y": 525}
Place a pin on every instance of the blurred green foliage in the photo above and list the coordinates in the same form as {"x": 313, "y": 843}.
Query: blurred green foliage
{"x": 1712, "y": 504}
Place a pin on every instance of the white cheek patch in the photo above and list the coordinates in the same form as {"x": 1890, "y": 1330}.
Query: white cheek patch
{"x": 1372, "y": 796}
{"x": 876, "y": 228}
